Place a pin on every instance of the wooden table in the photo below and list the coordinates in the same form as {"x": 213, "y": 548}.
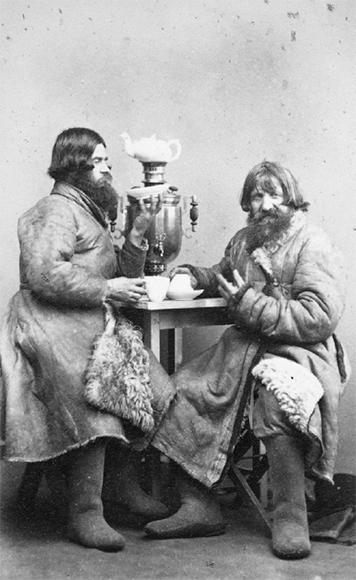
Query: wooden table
{"x": 174, "y": 315}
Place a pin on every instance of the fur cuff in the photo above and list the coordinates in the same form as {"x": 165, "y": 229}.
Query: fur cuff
{"x": 117, "y": 378}
{"x": 296, "y": 389}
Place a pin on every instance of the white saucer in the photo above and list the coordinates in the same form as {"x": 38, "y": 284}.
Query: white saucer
{"x": 146, "y": 192}
{"x": 186, "y": 295}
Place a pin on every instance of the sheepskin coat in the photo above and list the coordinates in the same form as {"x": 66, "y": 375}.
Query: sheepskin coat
{"x": 66, "y": 256}
{"x": 291, "y": 311}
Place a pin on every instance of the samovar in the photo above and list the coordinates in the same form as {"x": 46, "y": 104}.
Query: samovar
{"x": 164, "y": 235}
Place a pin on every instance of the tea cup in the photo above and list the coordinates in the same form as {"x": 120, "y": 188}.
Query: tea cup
{"x": 156, "y": 287}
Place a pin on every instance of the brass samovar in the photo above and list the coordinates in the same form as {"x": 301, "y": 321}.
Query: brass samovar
{"x": 164, "y": 235}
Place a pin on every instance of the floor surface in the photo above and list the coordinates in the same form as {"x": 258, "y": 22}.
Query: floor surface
{"x": 35, "y": 548}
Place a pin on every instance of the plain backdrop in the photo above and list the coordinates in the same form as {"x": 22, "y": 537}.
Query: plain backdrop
{"x": 236, "y": 81}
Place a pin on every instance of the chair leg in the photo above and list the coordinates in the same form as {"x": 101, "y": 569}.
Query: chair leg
{"x": 240, "y": 482}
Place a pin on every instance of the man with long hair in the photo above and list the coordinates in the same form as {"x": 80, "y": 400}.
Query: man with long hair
{"x": 71, "y": 276}
{"x": 284, "y": 284}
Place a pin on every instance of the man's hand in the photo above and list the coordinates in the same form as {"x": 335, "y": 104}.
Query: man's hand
{"x": 126, "y": 289}
{"x": 146, "y": 213}
{"x": 226, "y": 289}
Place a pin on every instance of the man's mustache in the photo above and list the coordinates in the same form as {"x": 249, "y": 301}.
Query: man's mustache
{"x": 106, "y": 178}
{"x": 266, "y": 215}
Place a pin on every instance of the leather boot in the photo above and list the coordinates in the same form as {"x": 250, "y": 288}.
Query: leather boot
{"x": 199, "y": 514}
{"x": 87, "y": 525}
{"x": 290, "y": 532}
{"x": 122, "y": 486}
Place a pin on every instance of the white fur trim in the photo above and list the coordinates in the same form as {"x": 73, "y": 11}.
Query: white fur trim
{"x": 296, "y": 389}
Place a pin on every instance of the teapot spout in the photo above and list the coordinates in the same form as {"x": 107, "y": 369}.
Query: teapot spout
{"x": 128, "y": 144}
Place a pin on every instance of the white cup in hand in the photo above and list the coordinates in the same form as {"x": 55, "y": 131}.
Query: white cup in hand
{"x": 156, "y": 287}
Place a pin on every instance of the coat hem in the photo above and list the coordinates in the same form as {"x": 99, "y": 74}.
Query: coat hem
{"x": 18, "y": 459}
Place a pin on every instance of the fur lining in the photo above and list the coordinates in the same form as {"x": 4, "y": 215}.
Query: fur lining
{"x": 296, "y": 389}
{"x": 117, "y": 378}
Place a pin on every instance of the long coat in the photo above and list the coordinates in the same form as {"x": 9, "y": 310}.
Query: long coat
{"x": 299, "y": 325}
{"x": 66, "y": 256}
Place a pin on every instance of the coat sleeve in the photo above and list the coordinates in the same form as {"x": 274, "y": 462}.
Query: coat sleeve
{"x": 316, "y": 304}
{"x": 47, "y": 243}
{"x": 130, "y": 260}
{"x": 206, "y": 277}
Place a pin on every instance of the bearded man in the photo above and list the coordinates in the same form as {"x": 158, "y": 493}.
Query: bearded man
{"x": 284, "y": 283}
{"x": 70, "y": 269}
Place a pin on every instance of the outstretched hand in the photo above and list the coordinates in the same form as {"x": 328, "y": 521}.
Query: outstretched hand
{"x": 227, "y": 289}
{"x": 145, "y": 214}
{"x": 147, "y": 211}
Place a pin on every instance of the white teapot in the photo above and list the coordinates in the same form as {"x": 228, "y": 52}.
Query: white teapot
{"x": 181, "y": 289}
{"x": 180, "y": 283}
{"x": 151, "y": 149}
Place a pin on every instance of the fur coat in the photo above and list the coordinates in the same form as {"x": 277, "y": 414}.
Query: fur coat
{"x": 288, "y": 308}
{"x": 52, "y": 324}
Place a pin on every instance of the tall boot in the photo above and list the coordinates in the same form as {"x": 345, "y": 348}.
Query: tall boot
{"x": 87, "y": 525}
{"x": 122, "y": 484}
{"x": 55, "y": 475}
{"x": 290, "y": 532}
{"x": 199, "y": 514}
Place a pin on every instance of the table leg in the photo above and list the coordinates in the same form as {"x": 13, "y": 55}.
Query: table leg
{"x": 151, "y": 335}
{"x": 151, "y": 332}
{"x": 174, "y": 349}
{"x": 178, "y": 347}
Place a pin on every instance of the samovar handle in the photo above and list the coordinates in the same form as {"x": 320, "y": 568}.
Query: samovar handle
{"x": 193, "y": 214}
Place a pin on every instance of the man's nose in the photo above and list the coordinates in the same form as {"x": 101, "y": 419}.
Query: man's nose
{"x": 267, "y": 203}
{"x": 105, "y": 168}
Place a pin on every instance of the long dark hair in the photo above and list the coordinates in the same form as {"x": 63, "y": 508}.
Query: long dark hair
{"x": 262, "y": 175}
{"x": 72, "y": 151}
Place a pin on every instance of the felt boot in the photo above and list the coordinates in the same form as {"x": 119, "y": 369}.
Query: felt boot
{"x": 122, "y": 484}
{"x": 86, "y": 524}
{"x": 199, "y": 514}
{"x": 55, "y": 475}
{"x": 290, "y": 532}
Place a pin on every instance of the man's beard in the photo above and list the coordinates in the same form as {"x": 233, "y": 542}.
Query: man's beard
{"x": 101, "y": 192}
{"x": 267, "y": 228}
